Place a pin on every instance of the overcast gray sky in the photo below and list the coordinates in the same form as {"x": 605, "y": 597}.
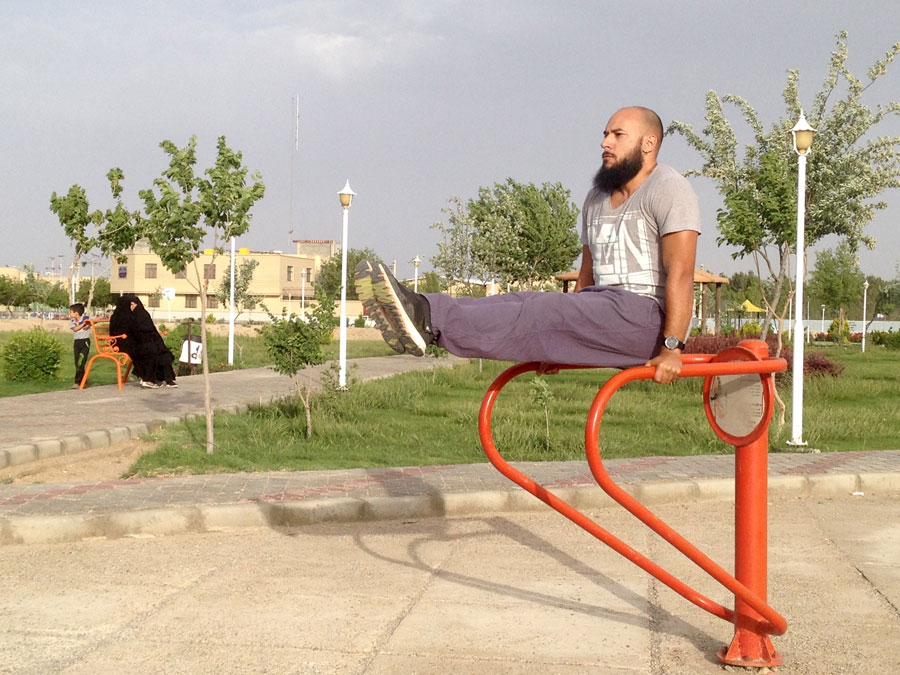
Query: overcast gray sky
{"x": 414, "y": 101}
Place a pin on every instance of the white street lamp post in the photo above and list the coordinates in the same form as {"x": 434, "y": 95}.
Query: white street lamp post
{"x": 346, "y": 196}
{"x": 823, "y": 318}
{"x": 416, "y": 263}
{"x": 803, "y": 138}
{"x": 865, "y": 297}
{"x": 790, "y": 319}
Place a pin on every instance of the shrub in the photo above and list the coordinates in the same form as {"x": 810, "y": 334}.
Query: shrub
{"x": 750, "y": 329}
{"x": 885, "y": 339}
{"x": 35, "y": 355}
{"x": 814, "y": 363}
{"x": 839, "y": 329}
{"x": 713, "y": 344}
{"x": 360, "y": 321}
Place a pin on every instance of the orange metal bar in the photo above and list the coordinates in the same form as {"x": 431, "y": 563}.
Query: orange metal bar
{"x": 753, "y": 617}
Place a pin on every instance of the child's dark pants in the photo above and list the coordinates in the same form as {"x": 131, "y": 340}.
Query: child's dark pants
{"x": 82, "y": 349}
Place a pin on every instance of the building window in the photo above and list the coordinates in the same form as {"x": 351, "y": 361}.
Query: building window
{"x": 212, "y": 302}
{"x": 290, "y": 272}
{"x": 150, "y": 271}
{"x": 181, "y": 275}
{"x": 209, "y": 271}
{"x": 153, "y": 300}
{"x": 190, "y": 302}
{"x": 309, "y": 275}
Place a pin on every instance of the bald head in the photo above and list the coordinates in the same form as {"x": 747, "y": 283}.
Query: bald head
{"x": 648, "y": 122}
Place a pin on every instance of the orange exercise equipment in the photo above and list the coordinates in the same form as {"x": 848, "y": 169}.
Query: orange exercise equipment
{"x": 738, "y": 398}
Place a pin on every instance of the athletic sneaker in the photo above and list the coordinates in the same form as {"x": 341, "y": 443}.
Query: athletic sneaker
{"x": 172, "y": 385}
{"x": 403, "y": 317}
{"x": 150, "y": 385}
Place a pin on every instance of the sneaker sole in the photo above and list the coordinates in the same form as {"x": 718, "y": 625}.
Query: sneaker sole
{"x": 409, "y": 336}
{"x": 366, "y": 292}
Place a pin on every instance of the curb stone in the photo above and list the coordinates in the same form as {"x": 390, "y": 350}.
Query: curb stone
{"x": 212, "y": 518}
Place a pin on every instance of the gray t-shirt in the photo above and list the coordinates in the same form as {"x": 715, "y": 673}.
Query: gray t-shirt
{"x": 84, "y": 333}
{"x": 626, "y": 242}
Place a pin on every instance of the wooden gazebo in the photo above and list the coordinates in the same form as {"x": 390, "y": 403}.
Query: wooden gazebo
{"x": 701, "y": 277}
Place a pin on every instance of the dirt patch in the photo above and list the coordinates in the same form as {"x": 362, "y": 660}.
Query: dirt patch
{"x": 89, "y": 465}
{"x": 49, "y": 325}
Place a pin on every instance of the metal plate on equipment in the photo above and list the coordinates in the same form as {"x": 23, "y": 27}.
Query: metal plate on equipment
{"x": 736, "y": 403}
{"x": 738, "y": 406}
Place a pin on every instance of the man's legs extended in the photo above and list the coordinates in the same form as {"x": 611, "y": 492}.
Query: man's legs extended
{"x": 599, "y": 326}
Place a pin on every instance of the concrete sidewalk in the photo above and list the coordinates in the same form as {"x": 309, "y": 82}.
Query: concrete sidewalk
{"x": 42, "y": 425}
{"x": 488, "y": 594}
{"x": 431, "y": 569}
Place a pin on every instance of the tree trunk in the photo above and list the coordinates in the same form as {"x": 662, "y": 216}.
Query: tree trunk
{"x": 90, "y": 298}
{"x": 76, "y": 262}
{"x": 207, "y": 392}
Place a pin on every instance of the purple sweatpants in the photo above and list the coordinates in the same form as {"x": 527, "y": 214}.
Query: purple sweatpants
{"x": 598, "y": 326}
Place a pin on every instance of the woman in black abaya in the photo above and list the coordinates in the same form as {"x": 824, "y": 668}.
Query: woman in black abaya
{"x": 148, "y": 351}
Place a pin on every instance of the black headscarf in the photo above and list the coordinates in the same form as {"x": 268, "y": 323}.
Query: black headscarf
{"x": 122, "y": 322}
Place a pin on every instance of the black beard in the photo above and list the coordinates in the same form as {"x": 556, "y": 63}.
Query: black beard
{"x": 613, "y": 178}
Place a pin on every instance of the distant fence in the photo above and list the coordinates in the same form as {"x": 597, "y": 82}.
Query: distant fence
{"x": 817, "y": 326}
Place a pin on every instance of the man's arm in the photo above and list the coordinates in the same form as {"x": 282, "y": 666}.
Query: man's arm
{"x": 679, "y": 251}
{"x": 586, "y": 273}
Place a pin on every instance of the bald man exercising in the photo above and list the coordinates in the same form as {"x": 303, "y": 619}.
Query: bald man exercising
{"x": 640, "y": 224}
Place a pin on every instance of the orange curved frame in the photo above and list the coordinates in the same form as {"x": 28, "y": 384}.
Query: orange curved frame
{"x": 753, "y": 618}
{"x": 107, "y": 348}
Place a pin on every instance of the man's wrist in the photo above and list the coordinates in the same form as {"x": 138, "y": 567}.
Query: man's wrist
{"x": 673, "y": 343}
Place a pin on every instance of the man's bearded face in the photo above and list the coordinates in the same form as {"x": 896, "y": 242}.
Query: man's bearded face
{"x": 613, "y": 177}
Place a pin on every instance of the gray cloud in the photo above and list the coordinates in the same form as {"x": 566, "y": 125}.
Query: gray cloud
{"x": 414, "y": 102}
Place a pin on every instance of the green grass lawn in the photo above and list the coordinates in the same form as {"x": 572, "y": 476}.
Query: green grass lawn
{"x": 249, "y": 352}
{"x": 426, "y": 418}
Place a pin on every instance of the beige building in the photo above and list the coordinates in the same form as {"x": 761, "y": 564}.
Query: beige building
{"x": 283, "y": 281}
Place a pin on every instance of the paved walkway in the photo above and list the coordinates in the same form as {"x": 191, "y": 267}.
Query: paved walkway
{"x": 370, "y": 584}
{"x": 104, "y": 415}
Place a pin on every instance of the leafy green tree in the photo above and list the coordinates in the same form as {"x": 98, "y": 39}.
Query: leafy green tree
{"x": 244, "y": 301}
{"x": 76, "y": 219}
{"x": 836, "y": 279}
{"x": 330, "y": 273}
{"x": 848, "y": 170}
{"x": 10, "y": 292}
{"x": 294, "y": 342}
{"x": 456, "y": 256}
{"x": 523, "y": 233}
{"x": 513, "y": 232}
{"x": 184, "y": 209}
{"x": 96, "y": 294}
{"x": 743, "y": 286}
{"x": 431, "y": 282}
{"x": 112, "y": 231}
{"x": 885, "y": 297}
